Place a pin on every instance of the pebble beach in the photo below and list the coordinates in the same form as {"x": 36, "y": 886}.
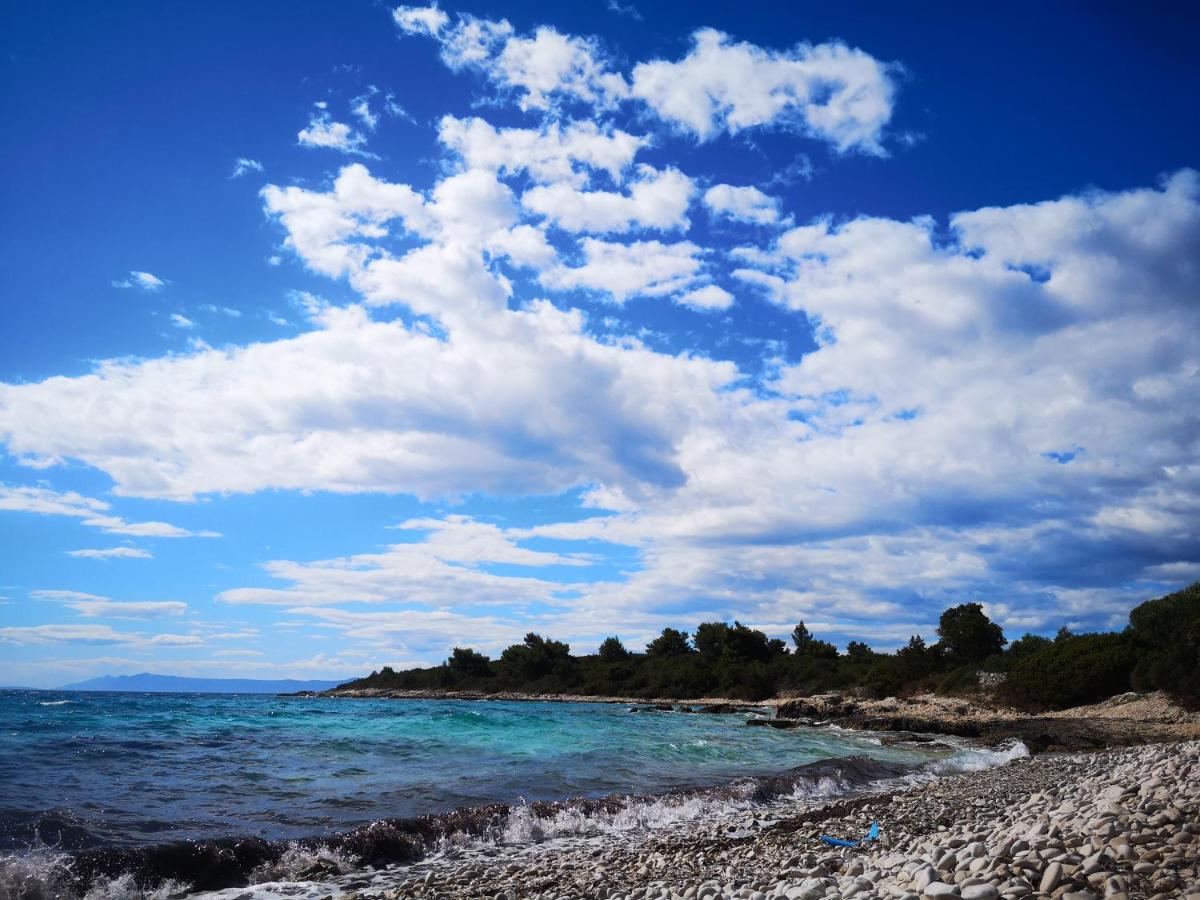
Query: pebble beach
{"x": 1120, "y": 823}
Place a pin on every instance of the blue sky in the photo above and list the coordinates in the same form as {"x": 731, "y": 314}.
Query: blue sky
{"x": 335, "y": 335}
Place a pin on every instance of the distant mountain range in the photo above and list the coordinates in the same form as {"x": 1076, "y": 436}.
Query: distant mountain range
{"x": 149, "y": 682}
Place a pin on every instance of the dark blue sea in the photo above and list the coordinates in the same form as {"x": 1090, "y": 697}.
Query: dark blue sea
{"x": 202, "y": 789}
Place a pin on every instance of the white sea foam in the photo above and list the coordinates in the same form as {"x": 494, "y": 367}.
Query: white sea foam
{"x": 976, "y": 759}
{"x": 276, "y": 890}
{"x": 54, "y": 702}
{"x": 299, "y": 862}
{"x": 45, "y": 875}
{"x": 124, "y": 887}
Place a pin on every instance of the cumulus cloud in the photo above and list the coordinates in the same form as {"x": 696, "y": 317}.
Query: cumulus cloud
{"x": 362, "y": 405}
{"x": 657, "y": 200}
{"x": 322, "y": 131}
{"x": 427, "y": 20}
{"x": 708, "y": 297}
{"x": 638, "y": 269}
{"x": 552, "y": 153}
{"x": 539, "y": 70}
{"x": 903, "y": 466}
{"x": 143, "y": 281}
{"x": 828, "y": 91}
{"x": 1002, "y": 398}
{"x": 742, "y": 204}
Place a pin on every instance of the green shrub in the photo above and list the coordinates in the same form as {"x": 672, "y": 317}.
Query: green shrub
{"x": 959, "y": 680}
{"x": 1075, "y": 670}
{"x": 1166, "y": 636}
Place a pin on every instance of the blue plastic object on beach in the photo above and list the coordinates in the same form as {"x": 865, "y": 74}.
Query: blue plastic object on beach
{"x": 872, "y": 834}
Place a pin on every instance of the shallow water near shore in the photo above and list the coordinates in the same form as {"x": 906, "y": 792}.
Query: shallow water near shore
{"x": 105, "y": 781}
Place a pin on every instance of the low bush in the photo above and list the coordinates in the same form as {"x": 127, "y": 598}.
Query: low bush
{"x": 1166, "y": 637}
{"x": 1076, "y": 670}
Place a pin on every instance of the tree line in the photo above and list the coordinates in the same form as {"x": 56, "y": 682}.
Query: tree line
{"x": 1159, "y": 649}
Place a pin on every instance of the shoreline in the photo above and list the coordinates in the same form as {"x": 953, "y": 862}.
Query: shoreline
{"x": 524, "y": 697}
{"x": 1120, "y": 823}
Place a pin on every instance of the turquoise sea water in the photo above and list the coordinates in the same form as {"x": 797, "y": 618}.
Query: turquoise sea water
{"x": 213, "y": 791}
{"x": 97, "y": 769}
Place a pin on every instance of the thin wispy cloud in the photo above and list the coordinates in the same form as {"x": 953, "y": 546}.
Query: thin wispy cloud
{"x": 243, "y": 166}
{"x": 111, "y": 553}
{"x": 143, "y": 281}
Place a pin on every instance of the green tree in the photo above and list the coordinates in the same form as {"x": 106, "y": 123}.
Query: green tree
{"x": 1026, "y": 646}
{"x": 537, "y": 658}
{"x": 915, "y": 660}
{"x": 968, "y": 635}
{"x": 612, "y": 650}
{"x": 801, "y": 637}
{"x": 857, "y": 651}
{"x": 1166, "y": 637}
{"x": 735, "y": 643}
{"x": 711, "y": 638}
{"x": 468, "y": 663}
{"x": 670, "y": 643}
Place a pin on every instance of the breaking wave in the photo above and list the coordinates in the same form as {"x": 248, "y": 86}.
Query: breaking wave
{"x": 160, "y": 871}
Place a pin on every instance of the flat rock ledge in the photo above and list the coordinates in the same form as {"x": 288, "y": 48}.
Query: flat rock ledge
{"x": 1121, "y": 824}
{"x": 1086, "y": 728}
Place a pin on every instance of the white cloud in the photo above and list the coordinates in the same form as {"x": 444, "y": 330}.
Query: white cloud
{"x": 361, "y": 405}
{"x": 428, "y": 20}
{"x": 552, "y": 153}
{"x": 639, "y": 269}
{"x": 362, "y": 111}
{"x": 742, "y": 204}
{"x": 624, "y": 9}
{"x": 539, "y": 70}
{"x": 141, "y": 280}
{"x": 112, "y": 553}
{"x": 827, "y": 91}
{"x": 226, "y": 310}
{"x": 92, "y": 606}
{"x": 34, "y": 635}
{"x": 327, "y": 229}
{"x": 981, "y": 404}
{"x": 657, "y": 200}
{"x": 445, "y": 569}
{"x": 92, "y": 512}
{"x": 243, "y": 166}
{"x": 322, "y": 131}
{"x": 181, "y": 321}
{"x": 707, "y": 298}
{"x": 550, "y": 63}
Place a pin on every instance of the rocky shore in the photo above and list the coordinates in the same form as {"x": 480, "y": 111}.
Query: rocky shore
{"x": 1120, "y": 823}
{"x": 1127, "y": 720}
